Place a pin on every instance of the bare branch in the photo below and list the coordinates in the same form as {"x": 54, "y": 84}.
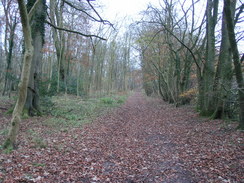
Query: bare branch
{"x": 101, "y": 20}
{"x": 76, "y": 32}
{"x": 183, "y": 44}
{"x": 105, "y": 22}
{"x": 241, "y": 8}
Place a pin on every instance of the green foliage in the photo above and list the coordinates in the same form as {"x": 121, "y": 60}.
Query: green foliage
{"x": 43, "y": 85}
{"x": 37, "y": 141}
{"x": 71, "y": 111}
{"x": 38, "y": 164}
{"x": 46, "y": 104}
{"x": 121, "y": 99}
{"x": 72, "y": 86}
{"x": 107, "y": 100}
{"x": 113, "y": 100}
{"x": 8, "y": 149}
{"x": 10, "y": 110}
{"x": 25, "y": 114}
{"x": 4, "y": 132}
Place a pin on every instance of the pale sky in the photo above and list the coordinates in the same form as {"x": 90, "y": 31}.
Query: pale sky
{"x": 118, "y": 9}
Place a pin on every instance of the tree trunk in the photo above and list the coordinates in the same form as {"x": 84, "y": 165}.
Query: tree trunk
{"x": 237, "y": 63}
{"x": 7, "y": 83}
{"x": 208, "y": 72}
{"x": 223, "y": 76}
{"x": 16, "y": 116}
{"x": 8, "y": 72}
{"x": 58, "y": 37}
{"x": 38, "y": 30}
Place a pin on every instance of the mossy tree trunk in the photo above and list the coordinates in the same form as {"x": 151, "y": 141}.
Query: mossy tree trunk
{"x": 16, "y": 116}
{"x": 38, "y": 32}
{"x": 236, "y": 59}
{"x": 224, "y": 74}
{"x": 206, "y": 94}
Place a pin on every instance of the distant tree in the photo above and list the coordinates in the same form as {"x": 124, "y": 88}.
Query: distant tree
{"x": 11, "y": 22}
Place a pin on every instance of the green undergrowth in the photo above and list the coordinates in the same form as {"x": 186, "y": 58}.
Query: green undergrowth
{"x": 36, "y": 140}
{"x": 71, "y": 111}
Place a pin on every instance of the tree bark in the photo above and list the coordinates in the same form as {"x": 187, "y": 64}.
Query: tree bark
{"x": 16, "y": 116}
{"x": 38, "y": 30}
{"x": 208, "y": 71}
{"x": 223, "y": 75}
{"x": 56, "y": 16}
{"x": 236, "y": 60}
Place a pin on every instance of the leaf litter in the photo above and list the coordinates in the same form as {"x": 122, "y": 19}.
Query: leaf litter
{"x": 144, "y": 140}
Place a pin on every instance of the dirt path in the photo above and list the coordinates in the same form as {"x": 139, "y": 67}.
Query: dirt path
{"x": 145, "y": 140}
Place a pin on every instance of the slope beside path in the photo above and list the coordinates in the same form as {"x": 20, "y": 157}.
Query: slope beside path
{"x": 145, "y": 140}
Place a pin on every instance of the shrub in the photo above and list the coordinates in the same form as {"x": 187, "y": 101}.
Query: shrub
{"x": 107, "y": 100}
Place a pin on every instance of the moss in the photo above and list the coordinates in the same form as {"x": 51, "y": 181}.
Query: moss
{"x": 25, "y": 114}
{"x": 38, "y": 20}
{"x": 240, "y": 127}
{"x": 38, "y": 164}
{"x": 10, "y": 111}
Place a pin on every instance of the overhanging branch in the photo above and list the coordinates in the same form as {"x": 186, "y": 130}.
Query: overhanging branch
{"x": 101, "y": 20}
{"x": 104, "y": 21}
{"x": 75, "y": 32}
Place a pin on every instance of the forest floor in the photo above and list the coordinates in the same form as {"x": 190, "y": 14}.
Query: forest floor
{"x": 143, "y": 140}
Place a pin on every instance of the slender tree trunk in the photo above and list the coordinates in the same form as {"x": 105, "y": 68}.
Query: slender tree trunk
{"x": 56, "y": 17}
{"x": 50, "y": 70}
{"x": 208, "y": 72}
{"x": 7, "y": 83}
{"x": 16, "y": 116}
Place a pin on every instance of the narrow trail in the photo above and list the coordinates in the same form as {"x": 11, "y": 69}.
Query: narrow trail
{"x": 145, "y": 140}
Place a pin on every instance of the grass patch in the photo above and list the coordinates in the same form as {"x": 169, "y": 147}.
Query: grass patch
{"x": 4, "y": 132}
{"x": 39, "y": 142}
{"x": 107, "y": 100}
{"x": 113, "y": 100}
{"x": 71, "y": 111}
{"x": 36, "y": 140}
{"x": 38, "y": 164}
{"x": 8, "y": 150}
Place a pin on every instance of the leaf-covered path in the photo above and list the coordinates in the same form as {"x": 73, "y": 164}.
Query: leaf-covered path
{"x": 145, "y": 140}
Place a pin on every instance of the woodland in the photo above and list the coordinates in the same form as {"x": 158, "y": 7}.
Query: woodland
{"x": 84, "y": 99}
